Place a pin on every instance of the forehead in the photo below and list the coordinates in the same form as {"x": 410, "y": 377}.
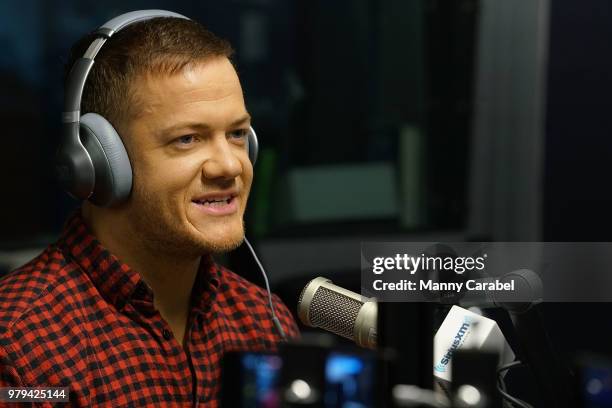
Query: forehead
{"x": 210, "y": 87}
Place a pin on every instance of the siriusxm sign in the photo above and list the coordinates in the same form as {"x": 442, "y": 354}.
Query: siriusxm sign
{"x": 458, "y": 340}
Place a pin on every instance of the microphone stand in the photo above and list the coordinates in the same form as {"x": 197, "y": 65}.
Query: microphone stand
{"x": 553, "y": 377}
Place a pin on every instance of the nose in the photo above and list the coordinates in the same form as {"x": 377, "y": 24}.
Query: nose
{"x": 222, "y": 161}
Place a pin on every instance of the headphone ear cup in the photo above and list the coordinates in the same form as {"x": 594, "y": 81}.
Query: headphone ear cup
{"x": 113, "y": 171}
{"x": 73, "y": 167}
{"x": 253, "y": 146}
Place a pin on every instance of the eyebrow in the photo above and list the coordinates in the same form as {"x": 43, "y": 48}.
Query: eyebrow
{"x": 201, "y": 125}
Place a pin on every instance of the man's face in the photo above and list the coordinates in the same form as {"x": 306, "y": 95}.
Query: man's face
{"x": 188, "y": 149}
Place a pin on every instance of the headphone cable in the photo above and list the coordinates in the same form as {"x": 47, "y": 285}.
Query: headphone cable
{"x": 275, "y": 320}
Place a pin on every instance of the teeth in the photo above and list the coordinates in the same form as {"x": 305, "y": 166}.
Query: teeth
{"x": 215, "y": 202}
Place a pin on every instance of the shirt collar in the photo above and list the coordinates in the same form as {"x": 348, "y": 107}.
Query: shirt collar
{"x": 206, "y": 285}
{"x": 115, "y": 280}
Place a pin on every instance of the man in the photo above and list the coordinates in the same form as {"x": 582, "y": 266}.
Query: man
{"x": 128, "y": 308}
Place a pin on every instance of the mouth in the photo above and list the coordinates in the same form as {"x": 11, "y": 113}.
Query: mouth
{"x": 217, "y": 203}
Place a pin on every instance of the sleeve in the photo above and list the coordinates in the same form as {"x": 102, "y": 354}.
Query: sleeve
{"x": 9, "y": 377}
{"x": 286, "y": 319}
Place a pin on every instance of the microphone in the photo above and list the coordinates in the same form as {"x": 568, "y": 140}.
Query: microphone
{"x": 342, "y": 312}
{"x": 348, "y": 314}
{"x": 463, "y": 329}
{"x": 528, "y": 292}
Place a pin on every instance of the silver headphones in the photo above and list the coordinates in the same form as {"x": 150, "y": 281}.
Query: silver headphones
{"x": 91, "y": 161}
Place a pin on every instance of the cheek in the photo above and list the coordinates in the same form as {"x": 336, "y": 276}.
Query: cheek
{"x": 247, "y": 177}
{"x": 166, "y": 178}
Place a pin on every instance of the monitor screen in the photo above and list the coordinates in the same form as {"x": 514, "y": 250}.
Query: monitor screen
{"x": 349, "y": 380}
{"x": 251, "y": 380}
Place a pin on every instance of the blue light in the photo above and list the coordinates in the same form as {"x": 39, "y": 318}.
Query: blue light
{"x": 340, "y": 366}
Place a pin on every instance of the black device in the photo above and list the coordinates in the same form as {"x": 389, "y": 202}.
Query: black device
{"x": 301, "y": 375}
{"x": 317, "y": 374}
{"x": 350, "y": 380}
{"x": 250, "y": 379}
{"x": 478, "y": 369}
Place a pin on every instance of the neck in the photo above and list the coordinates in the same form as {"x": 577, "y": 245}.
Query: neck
{"x": 170, "y": 276}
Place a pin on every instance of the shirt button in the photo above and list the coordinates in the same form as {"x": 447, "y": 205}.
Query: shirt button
{"x": 167, "y": 334}
{"x": 140, "y": 291}
{"x": 120, "y": 304}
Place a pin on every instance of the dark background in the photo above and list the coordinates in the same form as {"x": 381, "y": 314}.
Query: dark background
{"x": 332, "y": 84}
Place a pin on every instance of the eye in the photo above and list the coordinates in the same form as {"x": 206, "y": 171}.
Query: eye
{"x": 185, "y": 140}
{"x": 239, "y": 134}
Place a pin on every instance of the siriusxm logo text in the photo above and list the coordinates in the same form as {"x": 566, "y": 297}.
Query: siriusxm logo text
{"x": 441, "y": 367}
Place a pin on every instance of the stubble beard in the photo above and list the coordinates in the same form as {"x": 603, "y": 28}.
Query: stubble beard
{"x": 162, "y": 233}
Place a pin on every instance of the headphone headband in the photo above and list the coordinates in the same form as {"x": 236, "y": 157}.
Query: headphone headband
{"x": 119, "y": 22}
{"x": 79, "y": 72}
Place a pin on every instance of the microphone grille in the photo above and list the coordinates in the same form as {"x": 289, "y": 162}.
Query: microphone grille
{"x": 334, "y": 312}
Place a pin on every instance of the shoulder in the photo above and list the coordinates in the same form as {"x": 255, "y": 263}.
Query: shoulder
{"x": 244, "y": 295}
{"x": 32, "y": 286}
{"x": 42, "y": 322}
{"x": 234, "y": 283}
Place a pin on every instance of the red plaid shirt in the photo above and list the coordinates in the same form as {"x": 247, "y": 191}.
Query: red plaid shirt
{"x": 77, "y": 317}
